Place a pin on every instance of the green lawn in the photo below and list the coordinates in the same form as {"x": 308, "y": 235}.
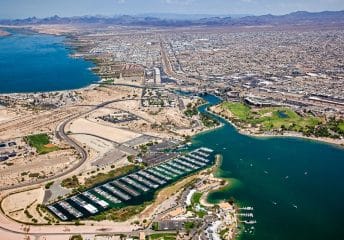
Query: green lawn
{"x": 341, "y": 126}
{"x": 196, "y": 197}
{"x": 163, "y": 236}
{"x": 239, "y": 110}
{"x": 41, "y": 142}
{"x": 189, "y": 225}
{"x": 271, "y": 118}
{"x": 195, "y": 201}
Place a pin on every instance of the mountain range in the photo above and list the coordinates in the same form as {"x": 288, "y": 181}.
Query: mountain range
{"x": 299, "y": 18}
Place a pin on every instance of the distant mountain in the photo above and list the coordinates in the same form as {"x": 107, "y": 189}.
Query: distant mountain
{"x": 193, "y": 17}
{"x": 299, "y": 18}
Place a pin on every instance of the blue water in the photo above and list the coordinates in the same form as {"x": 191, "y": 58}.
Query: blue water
{"x": 32, "y": 62}
{"x": 295, "y": 185}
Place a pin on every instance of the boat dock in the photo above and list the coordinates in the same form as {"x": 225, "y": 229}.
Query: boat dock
{"x": 116, "y": 192}
{"x": 106, "y": 195}
{"x": 93, "y": 198}
{"x": 125, "y": 188}
{"x": 57, "y": 213}
{"x": 129, "y": 188}
{"x": 135, "y": 184}
{"x": 144, "y": 180}
{"x": 89, "y": 207}
{"x": 156, "y": 173}
{"x": 71, "y": 210}
{"x": 151, "y": 177}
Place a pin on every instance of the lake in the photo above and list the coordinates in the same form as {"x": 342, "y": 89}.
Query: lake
{"x": 295, "y": 185}
{"x": 31, "y": 62}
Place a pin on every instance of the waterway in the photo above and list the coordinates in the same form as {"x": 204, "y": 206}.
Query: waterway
{"x": 31, "y": 62}
{"x": 294, "y": 185}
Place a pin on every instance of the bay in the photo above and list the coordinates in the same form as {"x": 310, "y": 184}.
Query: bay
{"x": 31, "y": 62}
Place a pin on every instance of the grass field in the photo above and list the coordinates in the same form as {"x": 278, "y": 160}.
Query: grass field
{"x": 196, "y": 206}
{"x": 41, "y": 142}
{"x": 271, "y": 118}
{"x": 239, "y": 110}
{"x": 163, "y": 236}
{"x": 341, "y": 126}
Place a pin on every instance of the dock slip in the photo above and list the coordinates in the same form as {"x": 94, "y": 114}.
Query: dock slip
{"x": 131, "y": 189}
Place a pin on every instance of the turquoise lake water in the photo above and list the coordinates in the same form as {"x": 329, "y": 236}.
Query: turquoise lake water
{"x": 295, "y": 185}
{"x": 36, "y": 62}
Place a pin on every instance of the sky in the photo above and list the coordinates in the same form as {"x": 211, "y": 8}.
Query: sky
{"x": 44, "y": 8}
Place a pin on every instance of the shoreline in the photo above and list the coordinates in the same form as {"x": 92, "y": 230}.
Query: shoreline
{"x": 214, "y": 169}
{"x": 205, "y": 202}
{"x": 88, "y": 87}
{"x": 4, "y": 33}
{"x": 247, "y": 132}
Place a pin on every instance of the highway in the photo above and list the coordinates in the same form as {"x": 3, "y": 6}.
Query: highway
{"x": 61, "y": 134}
{"x": 18, "y": 231}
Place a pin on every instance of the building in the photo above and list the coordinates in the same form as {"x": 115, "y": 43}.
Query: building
{"x": 157, "y": 76}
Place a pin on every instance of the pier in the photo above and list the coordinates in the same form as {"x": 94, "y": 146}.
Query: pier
{"x": 127, "y": 189}
{"x": 135, "y": 184}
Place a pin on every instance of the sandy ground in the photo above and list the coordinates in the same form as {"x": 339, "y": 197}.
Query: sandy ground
{"x": 55, "y": 29}
{"x": 45, "y": 165}
{"x": 117, "y": 135}
{"x": 24, "y": 122}
{"x": 105, "y": 93}
{"x": 101, "y": 146}
{"x": 15, "y": 204}
{"x": 28, "y": 122}
{"x": 171, "y": 122}
{"x": 5, "y": 114}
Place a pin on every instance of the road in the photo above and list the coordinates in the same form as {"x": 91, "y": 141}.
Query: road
{"x": 61, "y": 134}
{"x": 15, "y": 230}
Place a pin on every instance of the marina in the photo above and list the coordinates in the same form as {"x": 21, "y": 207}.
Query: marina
{"x": 131, "y": 189}
{"x": 98, "y": 201}
{"x": 192, "y": 160}
{"x": 89, "y": 207}
{"x": 135, "y": 184}
{"x": 116, "y": 192}
{"x": 162, "y": 170}
{"x": 57, "y": 213}
{"x": 156, "y": 173}
{"x": 171, "y": 169}
{"x": 107, "y": 196}
{"x": 189, "y": 165}
{"x": 125, "y": 188}
{"x": 178, "y": 166}
{"x": 71, "y": 210}
{"x": 144, "y": 181}
{"x": 148, "y": 176}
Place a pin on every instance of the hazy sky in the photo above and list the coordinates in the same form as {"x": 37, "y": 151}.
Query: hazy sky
{"x": 43, "y": 8}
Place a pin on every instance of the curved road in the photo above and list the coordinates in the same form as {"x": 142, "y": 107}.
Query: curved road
{"x": 63, "y": 136}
